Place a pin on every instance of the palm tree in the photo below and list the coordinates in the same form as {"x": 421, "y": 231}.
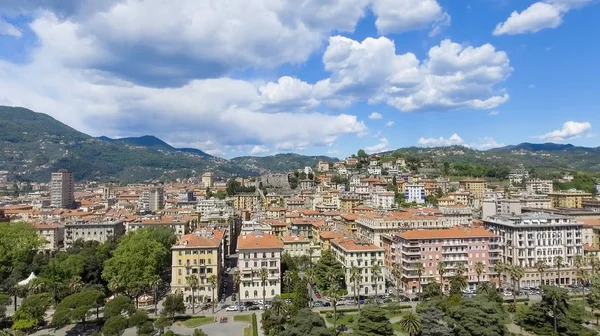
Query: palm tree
{"x": 156, "y": 282}
{"x": 516, "y": 274}
{"x": 579, "y": 262}
{"x": 334, "y": 297}
{"x": 36, "y": 286}
{"x": 593, "y": 262}
{"x": 287, "y": 280}
{"x": 541, "y": 267}
{"x": 582, "y": 275}
{"x": 75, "y": 284}
{"x": 264, "y": 276}
{"x": 558, "y": 263}
{"x": 310, "y": 254}
{"x": 441, "y": 269}
{"x": 310, "y": 276}
{"x": 193, "y": 282}
{"x": 355, "y": 277}
{"x": 397, "y": 273}
{"x": 500, "y": 268}
{"x": 212, "y": 283}
{"x": 411, "y": 324}
{"x": 479, "y": 269}
{"x": 237, "y": 280}
{"x": 420, "y": 269}
{"x": 459, "y": 280}
{"x": 375, "y": 273}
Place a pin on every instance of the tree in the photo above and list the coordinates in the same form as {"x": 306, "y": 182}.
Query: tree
{"x": 431, "y": 290}
{"x": 263, "y": 273}
{"x": 376, "y": 272}
{"x": 580, "y": 273}
{"x": 334, "y": 297}
{"x": 4, "y": 301}
{"x": 441, "y": 269}
{"x": 75, "y": 307}
{"x": 31, "y": 312}
{"x": 541, "y": 267}
{"x": 301, "y": 297}
{"x": 156, "y": 283}
{"x": 138, "y": 318}
{"x": 193, "y": 282}
{"x": 115, "y": 326}
{"x": 372, "y": 321}
{"x": 18, "y": 245}
{"x": 355, "y": 278}
{"x": 119, "y": 305}
{"x": 213, "y": 283}
{"x": 479, "y": 269}
{"x": 420, "y": 269}
{"x": 161, "y": 323}
{"x": 593, "y": 262}
{"x": 397, "y": 274}
{"x": 516, "y": 274}
{"x": 478, "y": 317}
{"x": 147, "y": 328}
{"x": 328, "y": 266}
{"x": 305, "y": 323}
{"x": 173, "y": 305}
{"x": 287, "y": 280}
{"x": 500, "y": 268}
{"x": 411, "y": 324}
{"x": 558, "y": 264}
{"x": 237, "y": 280}
{"x": 458, "y": 282}
{"x": 433, "y": 320}
{"x": 593, "y": 297}
{"x": 199, "y": 332}
{"x": 361, "y": 154}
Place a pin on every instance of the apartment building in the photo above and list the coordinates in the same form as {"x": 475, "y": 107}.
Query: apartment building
{"x": 517, "y": 176}
{"x": 383, "y": 200}
{"x": 414, "y": 193}
{"x": 348, "y": 201}
{"x": 537, "y": 186}
{"x": 568, "y": 199}
{"x": 530, "y": 237}
{"x": 372, "y": 226}
{"x": 475, "y": 186}
{"x": 52, "y": 234}
{"x": 296, "y": 246}
{"x": 454, "y": 246}
{"x": 246, "y": 201}
{"x": 256, "y": 252}
{"x": 208, "y": 180}
{"x": 456, "y": 215}
{"x": 62, "y": 189}
{"x": 198, "y": 254}
{"x": 99, "y": 231}
{"x": 180, "y": 224}
{"x": 352, "y": 252}
{"x": 323, "y": 166}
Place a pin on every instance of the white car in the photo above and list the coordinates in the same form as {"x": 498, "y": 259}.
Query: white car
{"x": 507, "y": 294}
{"x": 232, "y": 308}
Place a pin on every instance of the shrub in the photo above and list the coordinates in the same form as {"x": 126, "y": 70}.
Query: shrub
{"x": 329, "y": 315}
{"x": 254, "y": 325}
{"x": 350, "y": 319}
{"x": 287, "y": 296}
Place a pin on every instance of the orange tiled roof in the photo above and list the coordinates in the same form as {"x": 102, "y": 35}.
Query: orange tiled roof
{"x": 331, "y": 234}
{"x": 591, "y": 221}
{"x": 201, "y": 240}
{"x": 251, "y": 241}
{"x": 294, "y": 239}
{"x": 349, "y": 217}
{"x": 590, "y": 248}
{"x": 455, "y": 232}
{"x": 353, "y": 244}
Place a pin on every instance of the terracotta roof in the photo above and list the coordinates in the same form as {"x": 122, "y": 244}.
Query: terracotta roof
{"x": 590, "y": 248}
{"x": 40, "y": 226}
{"x": 353, "y": 244}
{"x": 590, "y": 221}
{"x": 302, "y": 221}
{"x": 276, "y": 209}
{"x": 331, "y": 234}
{"x": 273, "y": 222}
{"x": 472, "y": 181}
{"x": 309, "y": 212}
{"x": 292, "y": 215}
{"x": 201, "y": 239}
{"x": 349, "y": 217}
{"x": 455, "y": 232}
{"x": 294, "y": 239}
{"x": 251, "y": 241}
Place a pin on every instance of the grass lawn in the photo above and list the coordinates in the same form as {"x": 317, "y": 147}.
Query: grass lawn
{"x": 398, "y": 330}
{"x": 248, "y": 331}
{"x": 243, "y": 318}
{"x": 345, "y": 320}
{"x": 197, "y": 321}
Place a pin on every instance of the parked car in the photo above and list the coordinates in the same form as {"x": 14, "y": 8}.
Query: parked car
{"x": 318, "y": 296}
{"x": 318, "y": 304}
{"x": 404, "y": 298}
{"x": 326, "y": 304}
{"x": 232, "y": 308}
{"x": 254, "y": 308}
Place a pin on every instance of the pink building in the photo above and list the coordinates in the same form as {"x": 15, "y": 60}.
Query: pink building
{"x": 452, "y": 246}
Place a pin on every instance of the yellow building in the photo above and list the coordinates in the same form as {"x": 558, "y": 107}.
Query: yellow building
{"x": 475, "y": 186}
{"x": 568, "y": 199}
{"x": 197, "y": 255}
{"x": 349, "y": 220}
{"x": 325, "y": 238}
{"x": 348, "y": 202}
{"x": 246, "y": 201}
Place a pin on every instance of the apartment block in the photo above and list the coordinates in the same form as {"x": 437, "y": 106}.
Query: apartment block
{"x": 257, "y": 252}
{"x": 100, "y": 231}
{"x": 475, "y": 186}
{"x": 62, "y": 189}
{"x": 352, "y": 252}
{"x": 537, "y": 186}
{"x": 568, "y": 199}
{"x": 296, "y": 246}
{"x": 53, "y": 235}
{"x": 246, "y": 201}
{"x": 414, "y": 192}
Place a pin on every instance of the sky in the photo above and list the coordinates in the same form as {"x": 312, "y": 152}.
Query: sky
{"x": 326, "y": 77}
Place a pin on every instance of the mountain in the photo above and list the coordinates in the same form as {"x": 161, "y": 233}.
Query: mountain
{"x": 150, "y": 141}
{"x": 279, "y": 162}
{"x": 545, "y": 147}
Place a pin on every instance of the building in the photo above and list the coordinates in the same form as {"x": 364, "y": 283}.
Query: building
{"x": 502, "y": 206}
{"x": 372, "y": 226}
{"x": 198, "y": 254}
{"x": 62, "y": 187}
{"x": 457, "y": 245}
{"x": 255, "y": 253}
{"x": 518, "y": 176}
{"x": 537, "y": 186}
{"x": 208, "y": 180}
{"x": 528, "y": 238}
{"x": 296, "y": 246}
{"x": 475, "y": 186}
{"x": 156, "y": 199}
{"x": 414, "y": 193}
{"x": 179, "y": 225}
{"x": 100, "y": 231}
{"x": 568, "y": 199}
{"x": 307, "y": 184}
{"x": 246, "y": 201}
{"x": 323, "y": 166}
{"x": 384, "y": 200}
{"x": 348, "y": 201}
{"x": 352, "y": 252}
{"x": 53, "y": 235}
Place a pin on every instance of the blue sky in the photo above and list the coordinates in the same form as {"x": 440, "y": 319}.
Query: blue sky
{"x": 313, "y": 77}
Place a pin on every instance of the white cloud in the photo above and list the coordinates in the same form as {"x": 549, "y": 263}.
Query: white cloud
{"x": 8, "y": 29}
{"x": 453, "y": 140}
{"x": 375, "y": 116}
{"x": 397, "y": 16}
{"x": 538, "y": 16}
{"x": 494, "y": 113}
{"x": 570, "y": 130}
{"x": 486, "y": 143}
{"x": 257, "y": 150}
{"x": 380, "y": 147}
{"x": 390, "y": 123}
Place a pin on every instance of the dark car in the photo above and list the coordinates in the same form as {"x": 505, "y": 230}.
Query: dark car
{"x": 416, "y": 298}
{"x": 254, "y": 308}
{"x": 326, "y": 304}
{"x": 342, "y": 327}
{"x": 404, "y": 299}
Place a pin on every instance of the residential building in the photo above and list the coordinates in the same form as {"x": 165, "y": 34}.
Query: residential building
{"x": 257, "y": 252}
{"x": 156, "y": 199}
{"x": 475, "y": 186}
{"x": 374, "y": 170}
{"x": 537, "y": 186}
{"x": 307, "y": 184}
{"x": 198, "y": 254}
{"x": 296, "y": 246}
{"x": 383, "y": 200}
{"x": 246, "y": 201}
{"x": 414, "y": 193}
{"x": 348, "y": 201}
{"x": 456, "y": 215}
{"x": 100, "y": 231}
{"x": 568, "y": 199}
{"x": 62, "y": 189}
{"x": 323, "y": 166}
{"x": 530, "y": 237}
{"x": 502, "y": 206}
{"x": 53, "y": 235}
{"x": 351, "y": 252}
{"x": 517, "y": 176}
{"x": 453, "y": 246}
{"x": 180, "y": 225}
{"x": 208, "y": 180}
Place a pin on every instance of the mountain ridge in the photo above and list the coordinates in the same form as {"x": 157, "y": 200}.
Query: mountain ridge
{"x": 151, "y": 141}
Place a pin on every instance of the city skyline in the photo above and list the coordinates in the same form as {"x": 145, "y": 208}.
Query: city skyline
{"x": 481, "y": 74}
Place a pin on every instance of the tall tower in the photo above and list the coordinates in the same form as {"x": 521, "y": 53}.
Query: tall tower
{"x": 62, "y": 187}
{"x": 157, "y": 199}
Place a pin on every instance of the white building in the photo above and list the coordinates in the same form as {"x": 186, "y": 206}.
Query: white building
{"x": 538, "y": 186}
{"x": 62, "y": 187}
{"x": 414, "y": 192}
{"x": 93, "y": 231}
{"x": 374, "y": 170}
{"x": 384, "y": 200}
{"x": 208, "y": 180}
{"x": 296, "y": 246}
{"x": 323, "y": 166}
{"x": 257, "y": 252}
{"x": 362, "y": 254}
{"x": 516, "y": 176}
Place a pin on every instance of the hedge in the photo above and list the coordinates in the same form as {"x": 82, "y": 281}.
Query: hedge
{"x": 518, "y": 300}
{"x": 352, "y": 310}
{"x": 254, "y": 325}
{"x": 287, "y": 296}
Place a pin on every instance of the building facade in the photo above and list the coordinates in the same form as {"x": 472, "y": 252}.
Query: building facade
{"x": 352, "y": 252}
{"x": 100, "y": 231}
{"x": 255, "y": 253}
{"x": 414, "y": 193}
{"x": 62, "y": 186}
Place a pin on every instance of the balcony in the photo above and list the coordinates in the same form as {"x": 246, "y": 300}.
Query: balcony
{"x": 412, "y": 252}
{"x": 454, "y": 251}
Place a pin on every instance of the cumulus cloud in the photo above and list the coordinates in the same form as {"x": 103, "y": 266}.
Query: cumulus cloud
{"x": 8, "y": 29}
{"x": 538, "y": 16}
{"x": 389, "y": 123}
{"x": 570, "y": 130}
{"x": 397, "y": 16}
{"x": 380, "y": 147}
{"x": 375, "y": 116}
{"x": 453, "y": 140}
{"x": 257, "y": 150}
{"x": 486, "y": 143}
